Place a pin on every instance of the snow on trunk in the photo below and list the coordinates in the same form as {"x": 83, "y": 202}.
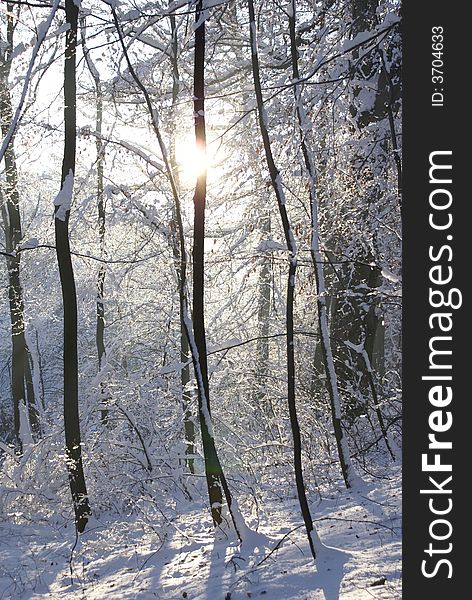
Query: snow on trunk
{"x": 198, "y": 371}
{"x": 25, "y": 434}
{"x": 63, "y": 200}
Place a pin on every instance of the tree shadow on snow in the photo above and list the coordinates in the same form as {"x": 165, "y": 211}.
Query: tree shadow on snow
{"x": 230, "y": 561}
{"x": 280, "y": 576}
{"x": 251, "y": 570}
{"x": 330, "y": 571}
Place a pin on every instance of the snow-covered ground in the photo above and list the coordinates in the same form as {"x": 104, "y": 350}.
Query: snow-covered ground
{"x": 180, "y": 556}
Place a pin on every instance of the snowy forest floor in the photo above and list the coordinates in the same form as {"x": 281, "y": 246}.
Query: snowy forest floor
{"x": 129, "y": 558}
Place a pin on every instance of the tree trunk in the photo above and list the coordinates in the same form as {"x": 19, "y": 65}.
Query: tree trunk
{"x": 100, "y": 325}
{"x": 263, "y": 317}
{"x": 214, "y": 474}
{"x": 370, "y": 333}
{"x": 21, "y": 379}
{"x": 61, "y": 222}
{"x": 213, "y": 470}
{"x": 189, "y": 426}
{"x": 347, "y": 469}
{"x": 313, "y": 539}
{"x": 100, "y": 162}
{"x": 359, "y": 319}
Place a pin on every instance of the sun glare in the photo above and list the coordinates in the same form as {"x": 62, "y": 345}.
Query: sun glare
{"x": 192, "y": 161}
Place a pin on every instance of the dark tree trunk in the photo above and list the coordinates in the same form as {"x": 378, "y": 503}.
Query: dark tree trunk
{"x": 263, "y": 318}
{"x": 61, "y": 221}
{"x": 313, "y": 539}
{"x": 375, "y": 328}
{"x": 370, "y": 329}
{"x": 100, "y": 325}
{"x": 213, "y": 470}
{"x": 21, "y": 379}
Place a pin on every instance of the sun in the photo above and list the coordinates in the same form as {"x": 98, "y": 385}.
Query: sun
{"x": 191, "y": 160}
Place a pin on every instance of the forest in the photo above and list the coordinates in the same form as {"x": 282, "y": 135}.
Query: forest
{"x": 200, "y": 299}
